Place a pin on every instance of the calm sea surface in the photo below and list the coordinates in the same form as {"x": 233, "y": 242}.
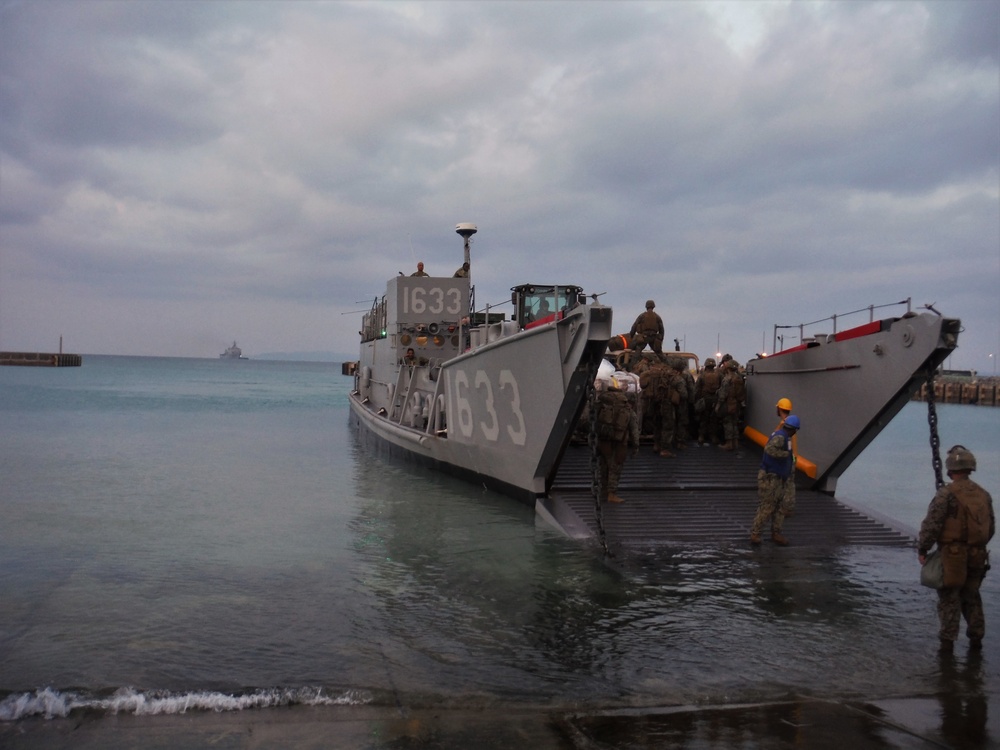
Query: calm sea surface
{"x": 187, "y": 533}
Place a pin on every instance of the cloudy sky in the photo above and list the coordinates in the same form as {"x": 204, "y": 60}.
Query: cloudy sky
{"x": 176, "y": 175}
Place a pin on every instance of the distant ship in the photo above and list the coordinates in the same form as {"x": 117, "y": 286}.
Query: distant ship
{"x": 233, "y": 352}
{"x": 496, "y": 401}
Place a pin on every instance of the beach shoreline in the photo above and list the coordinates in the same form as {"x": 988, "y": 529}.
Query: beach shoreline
{"x": 901, "y": 722}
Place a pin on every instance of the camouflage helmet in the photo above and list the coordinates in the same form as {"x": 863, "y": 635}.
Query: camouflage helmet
{"x": 732, "y": 364}
{"x": 650, "y": 304}
{"x": 960, "y": 458}
{"x": 710, "y": 362}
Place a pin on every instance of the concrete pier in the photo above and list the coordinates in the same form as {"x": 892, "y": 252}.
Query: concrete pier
{"x": 38, "y": 359}
{"x": 971, "y": 389}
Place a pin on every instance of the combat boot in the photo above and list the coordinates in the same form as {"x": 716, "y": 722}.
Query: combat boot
{"x": 755, "y": 539}
{"x": 778, "y": 539}
{"x": 729, "y": 445}
{"x": 975, "y": 644}
{"x": 613, "y": 498}
{"x": 666, "y": 454}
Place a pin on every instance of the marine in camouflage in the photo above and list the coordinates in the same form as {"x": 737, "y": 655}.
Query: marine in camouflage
{"x": 960, "y": 520}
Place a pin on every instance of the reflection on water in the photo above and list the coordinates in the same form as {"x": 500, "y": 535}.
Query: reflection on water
{"x": 474, "y": 599}
{"x": 964, "y": 707}
{"x": 260, "y": 551}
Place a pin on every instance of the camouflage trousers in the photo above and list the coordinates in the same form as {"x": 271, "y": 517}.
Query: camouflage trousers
{"x": 708, "y": 427}
{"x": 610, "y": 462}
{"x": 956, "y": 602}
{"x": 770, "y": 494}
{"x": 663, "y": 422}
{"x": 730, "y": 427}
{"x": 788, "y": 500}
{"x": 682, "y": 431}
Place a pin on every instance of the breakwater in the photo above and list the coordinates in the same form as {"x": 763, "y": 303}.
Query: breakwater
{"x": 39, "y": 359}
{"x": 963, "y": 389}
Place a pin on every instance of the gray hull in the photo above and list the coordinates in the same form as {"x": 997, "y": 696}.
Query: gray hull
{"x": 846, "y": 388}
{"x": 499, "y": 413}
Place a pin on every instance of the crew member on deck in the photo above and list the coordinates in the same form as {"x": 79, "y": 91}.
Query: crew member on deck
{"x": 775, "y": 470}
{"x": 463, "y": 272}
{"x": 650, "y": 326}
{"x": 783, "y": 408}
{"x": 420, "y": 270}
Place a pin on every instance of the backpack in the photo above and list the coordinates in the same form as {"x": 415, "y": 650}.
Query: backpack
{"x": 612, "y": 416}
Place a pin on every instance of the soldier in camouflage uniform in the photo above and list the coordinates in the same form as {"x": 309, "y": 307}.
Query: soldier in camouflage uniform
{"x": 643, "y": 363}
{"x": 617, "y": 430}
{"x": 705, "y": 392}
{"x": 648, "y": 329}
{"x": 658, "y": 405}
{"x": 685, "y": 409}
{"x": 961, "y": 522}
{"x": 729, "y": 404}
{"x": 774, "y": 473}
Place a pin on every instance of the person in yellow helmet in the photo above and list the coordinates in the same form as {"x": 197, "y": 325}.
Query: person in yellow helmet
{"x": 783, "y": 409}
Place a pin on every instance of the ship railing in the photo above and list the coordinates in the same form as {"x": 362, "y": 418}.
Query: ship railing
{"x": 833, "y": 320}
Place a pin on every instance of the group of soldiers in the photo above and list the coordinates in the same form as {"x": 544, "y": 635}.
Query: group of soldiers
{"x": 669, "y": 404}
{"x": 960, "y": 521}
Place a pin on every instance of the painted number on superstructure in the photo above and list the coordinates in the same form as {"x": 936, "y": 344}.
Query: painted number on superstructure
{"x": 482, "y": 387}
{"x": 433, "y": 301}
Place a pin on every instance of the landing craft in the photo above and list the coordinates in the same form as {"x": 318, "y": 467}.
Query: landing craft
{"x": 845, "y": 386}
{"x": 471, "y": 393}
{"x": 495, "y": 401}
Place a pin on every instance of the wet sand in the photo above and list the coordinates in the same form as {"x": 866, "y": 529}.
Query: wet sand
{"x": 953, "y": 721}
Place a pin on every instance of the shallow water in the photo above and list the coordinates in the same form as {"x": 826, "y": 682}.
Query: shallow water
{"x": 207, "y": 534}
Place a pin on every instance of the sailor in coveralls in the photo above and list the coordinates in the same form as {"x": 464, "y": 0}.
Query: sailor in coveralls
{"x": 775, "y": 471}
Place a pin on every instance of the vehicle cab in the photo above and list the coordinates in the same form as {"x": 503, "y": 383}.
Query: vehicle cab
{"x": 537, "y": 304}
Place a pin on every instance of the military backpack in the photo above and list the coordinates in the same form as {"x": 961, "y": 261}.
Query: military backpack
{"x": 612, "y": 416}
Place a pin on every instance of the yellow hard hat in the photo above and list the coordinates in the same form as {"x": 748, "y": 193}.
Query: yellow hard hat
{"x": 784, "y": 404}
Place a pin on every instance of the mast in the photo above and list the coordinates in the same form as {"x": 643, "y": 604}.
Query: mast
{"x": 466, "y": 230}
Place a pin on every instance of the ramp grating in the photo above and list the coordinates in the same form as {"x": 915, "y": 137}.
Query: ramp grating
{"x": 702, "y": 495}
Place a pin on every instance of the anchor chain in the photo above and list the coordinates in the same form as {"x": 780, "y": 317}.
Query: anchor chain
{"x": 595, "y": 483}
{"x": 932, "y": 420}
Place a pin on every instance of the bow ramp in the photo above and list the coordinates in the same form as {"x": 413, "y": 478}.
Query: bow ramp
{"x": 703, "y": 495}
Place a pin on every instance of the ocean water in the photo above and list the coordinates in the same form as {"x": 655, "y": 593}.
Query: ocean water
{"x": 191, "y": 534}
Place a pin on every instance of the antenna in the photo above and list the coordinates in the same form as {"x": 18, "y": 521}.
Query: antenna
{"x": 466, "y": 230}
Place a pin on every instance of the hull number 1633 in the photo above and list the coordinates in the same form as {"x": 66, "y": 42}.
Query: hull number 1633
{"x": 501, "y": 409}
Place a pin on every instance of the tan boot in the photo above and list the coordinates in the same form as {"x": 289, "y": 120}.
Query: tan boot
{"x": 666, "y": 454}
{"x": 755, "y": 539}
{"x": 729, "y": 445}
{"x": 613, "y": 498}
{"x": 778, "y": 539}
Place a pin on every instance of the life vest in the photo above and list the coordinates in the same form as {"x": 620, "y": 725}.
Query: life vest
{"x": 971, "y": 520}
{"x": 780, "y": 466}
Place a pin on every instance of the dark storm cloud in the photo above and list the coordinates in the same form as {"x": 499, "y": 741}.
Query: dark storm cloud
{"x": 286, "y": 158}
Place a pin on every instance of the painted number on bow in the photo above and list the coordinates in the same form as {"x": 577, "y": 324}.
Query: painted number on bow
{"x": 481, "y": 398}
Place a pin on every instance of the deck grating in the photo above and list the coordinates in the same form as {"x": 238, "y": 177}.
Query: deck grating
{"x": 703, "y": 495}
